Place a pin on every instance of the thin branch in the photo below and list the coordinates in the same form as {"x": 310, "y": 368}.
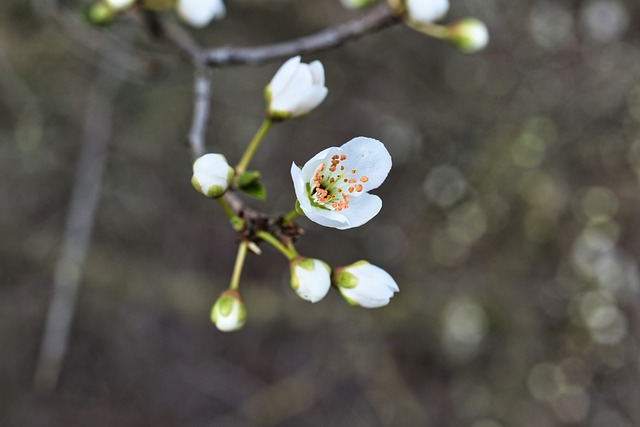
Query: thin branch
{"x": 96, "y": 133}
{"x": 202, "y": 99}
{"x": 380, "y": 17}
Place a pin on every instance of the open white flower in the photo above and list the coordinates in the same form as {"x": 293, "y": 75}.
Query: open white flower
{"x": 469, "y": 35}
{"x": 211, "y": 175}
{"x": 427, "y": 11}
{"x": 198, "y": 13}
{"x": 332, "y": 188}
{"x": 310, "y": 278}
{"x": 229, "y": 313}
{"x": 365, "y": 284}
{"x": 120, "y": 4}
{"x": 295, "y": 89}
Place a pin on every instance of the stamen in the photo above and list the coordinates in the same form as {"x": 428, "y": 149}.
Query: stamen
{"x": 353, "y": 171}
{"x": 342, "y": 157}
{"x": 358, "y": 188}
{"x": 352, "y": 180}
{"x": 350, "y": 189}
{"x": 364, "y": 178}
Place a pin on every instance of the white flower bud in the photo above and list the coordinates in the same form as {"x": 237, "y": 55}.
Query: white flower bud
{"x": 295, "y": 89}
{"x": 356, "y": 4}
{"x": 427, "y": 11}
{"x": 198, "y": 13}
{"x": 211, "y": 175}
{"x": 310, "y": 278}
{"x": 365, "y": 284}
{"x": 119, "y": 4}
{"x": 469, "y": 35}
{"x": 229, "y": 313}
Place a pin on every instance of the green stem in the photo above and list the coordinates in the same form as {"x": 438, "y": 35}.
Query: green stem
{"x": 253, "y": 146}
{"x": 236, "y": 222}
{"x": 436, "y": 31}
{"x": 237, "y": 268}
{"x": 268, "y": 237}
{"x": 289, "y": 217}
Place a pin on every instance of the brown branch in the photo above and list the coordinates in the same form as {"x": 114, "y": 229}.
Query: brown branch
{"x": 97, "y": 131}
{"x": 380, "y": 17}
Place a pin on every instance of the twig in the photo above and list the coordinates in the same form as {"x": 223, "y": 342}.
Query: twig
{"x": 96, "y": 133}
{"x": 380, "y": 17}
{"x": 202, "y": 99}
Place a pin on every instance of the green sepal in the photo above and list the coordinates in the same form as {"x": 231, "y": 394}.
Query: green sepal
{"x": 99, "y": 14}
{"x": 346, "y": 280}
{"x": 299, "y": 209}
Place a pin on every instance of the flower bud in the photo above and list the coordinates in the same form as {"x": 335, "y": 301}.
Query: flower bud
{"x": 365, "y": 284}
{"x": 310, "y": 278}
{"x": 427, "y": 11}
{"x": 229, "y": 313}
{"x": 119, "y": 4}
{"x": 199, "y": 13}
{"x": 100, "y": 14}
{"x": 356, "y": 4}
{"x": 469, "y": 35}
{"x": 295, "y": 89}
{"x": 211, "y": 175}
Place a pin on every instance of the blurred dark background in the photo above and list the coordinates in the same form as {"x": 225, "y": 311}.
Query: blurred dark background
{"x": 510, "y": 222}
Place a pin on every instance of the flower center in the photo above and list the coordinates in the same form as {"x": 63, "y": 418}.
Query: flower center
{"x": 331, "y": 186}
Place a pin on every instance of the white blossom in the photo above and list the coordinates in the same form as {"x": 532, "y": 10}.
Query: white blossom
{"x": 120, "y": 4}
{"x": 295, "y": 89}
{"x": 212, "y": 175}
{"x": 469, "y": 35}
{"x": 427, "y": 11}
{"x": 365, "y": 285}
{"x": 310, "y": 278}
{"x": 199, "y": 13}
{"x": 332, "y": 188}
{"x": 229, "y": 313}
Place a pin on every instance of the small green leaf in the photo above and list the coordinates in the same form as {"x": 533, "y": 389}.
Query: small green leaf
{"x": 255, "y": 190}
{"x": 248, "y": 178}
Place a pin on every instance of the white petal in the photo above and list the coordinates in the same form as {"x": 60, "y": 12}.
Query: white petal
{"x": 372, "y": 273}
{"x": 369, "y": 158}
{"x": 317, "y": 71}
{"x": 198, "y": 13}
{"x": 120, "y": 4}
{"x": 361, "y": 210}
{"x": 309, "y": 99}
{"x": 212, "y": 169}
{"x": 284, "y": 74}
{"x": 310, "y": 167}
{"x": 313, "y": 285}
{"x": 427, "y": 11}
{"x": 292, "y": 96}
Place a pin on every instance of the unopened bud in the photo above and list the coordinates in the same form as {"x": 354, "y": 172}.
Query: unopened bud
{"x": 211, "y": 175}
{"x": 365, "y": 284}
{"x": 229, "y": 313}
{"x": 469, "y": 35}
{"x": 356, "y": 4}
{"x": 310, "y": 278}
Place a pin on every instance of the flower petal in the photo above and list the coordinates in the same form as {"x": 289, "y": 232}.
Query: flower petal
{"x": 369, "y": 158}
{"x": 361, "y": 210}
{"x": 317, "y": 71}
{"x": 284, "y": 74}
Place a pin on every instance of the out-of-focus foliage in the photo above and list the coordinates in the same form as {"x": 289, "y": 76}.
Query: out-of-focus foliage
{"x": 511, "y": 224}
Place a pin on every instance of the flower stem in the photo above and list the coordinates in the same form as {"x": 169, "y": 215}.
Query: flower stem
{"x": 289, "y": 217}
{"x": 253, "y": 146}
{"x": 436, "y": 31}
{"x": 237, "y": 268}
{"x": 236, "y": 222}
{"x": 289, "y": 253}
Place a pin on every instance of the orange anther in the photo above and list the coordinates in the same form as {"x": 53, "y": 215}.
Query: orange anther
{"x": 358, "y": 187}
{"x": 350, "y": 189}
{"x": 342, "y": 157}
{"x": 364, "y": 178}
{"x": 352, "y": 180}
